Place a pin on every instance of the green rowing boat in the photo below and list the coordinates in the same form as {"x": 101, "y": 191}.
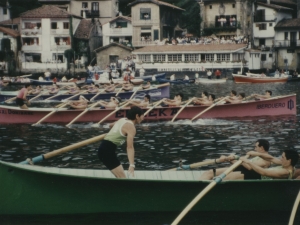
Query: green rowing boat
{"x": 32, "y": 190}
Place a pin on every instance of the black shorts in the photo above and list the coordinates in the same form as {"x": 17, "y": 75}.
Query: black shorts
{"x": 20, "y": 101}
{"x": 107, "y": 154}
{"x": 248, "y": 174}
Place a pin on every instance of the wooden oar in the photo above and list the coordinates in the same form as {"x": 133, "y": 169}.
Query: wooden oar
{"x": 49, "y": 114}
{"x": 100, "y": 92}
{"x": 10, "y": 100}
{"x": 57, "y": 94}
{"x": 213, "y": 105}
{"x": 182, "y": 108}
{"x": 82, "y": 113}
{"x": 64, "y": 150}
{"x": 28, "y": 75}
{"x": 118, "y": 92}
{"x": 35, "y": 97}
{"x": 216, "y": 180}
{"x": 156, "y": 104}
{"x": 74, "y": 95}
{"x": 293, "y": 214}
{"x": 196, "y": 165}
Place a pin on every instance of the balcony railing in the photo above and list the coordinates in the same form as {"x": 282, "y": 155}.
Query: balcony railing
{"x": 60, "y": 47}
{"x": 92, "y": 13}
{"x": 31, "y": 47}
{"x": 31, "y": 32}
{"x": 286, "y": 43}
{"x": 60, "y": 31}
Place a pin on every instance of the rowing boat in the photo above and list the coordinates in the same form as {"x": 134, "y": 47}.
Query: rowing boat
{"x": 210, "y": 81}
{"x": 251, "y": 79}
{"x": 282, "y": 105}
{"x": 37, "y": 190}
{"x": 159, "y": 91}
{"x": 177, "y": 81}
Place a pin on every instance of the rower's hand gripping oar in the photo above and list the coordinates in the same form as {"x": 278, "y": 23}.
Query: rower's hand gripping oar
{"x": 82, "y": 113}
{"x": 63, "y": 150}
{"x": 10, "y": 100}
{"x": 179, "y": 111}
{"x": 100, "y": 92}
{"x": 215, "y": 181}
{"x": 213, "y": 105}
{"x": 156, "y": 104}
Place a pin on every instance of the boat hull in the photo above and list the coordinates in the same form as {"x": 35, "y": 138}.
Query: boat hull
{"x": 177, "y": 81}
{"x": 285, "y": 105}
{"x": 210, "y": 81}
{"x": 161, "y": 92}
{"x": 247, "y": 79}
{"x": 32, "y": 190}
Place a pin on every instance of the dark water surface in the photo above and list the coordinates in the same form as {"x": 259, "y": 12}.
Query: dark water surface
{"x": 160, "y": 146}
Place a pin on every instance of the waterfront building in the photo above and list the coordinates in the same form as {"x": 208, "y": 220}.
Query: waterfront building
{"x": 4, "y": 10}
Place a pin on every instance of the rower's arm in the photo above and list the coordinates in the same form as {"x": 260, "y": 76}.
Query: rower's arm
{"x": 130, "y": 131}
{"x": 266, "y": 157}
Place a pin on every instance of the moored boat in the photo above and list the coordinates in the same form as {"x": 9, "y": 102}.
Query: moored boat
{"x": 281, "y": 105}
{"x": 210, "y": 81}
{"x": 252, "y": 79}
{"x": 36, "y": 190}
{"x": 176, "y": 81}
{"x": 156, "y": 91}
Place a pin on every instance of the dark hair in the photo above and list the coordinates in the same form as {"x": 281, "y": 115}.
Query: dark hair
{"x": 292, "y": 155}
{"x": 148, "y": 96}
{"x": 97, "y": 85}
{"x": 27, "y": 85}
{"x": 233, "y": 92}
{"x": 243, "y": 95}
{"x": 131, "y": 114}
{"x": 264, "y": 143}
{"x": 205, "y": 93}
{"x": 213, "y": 96}
{"x": 92, "y": 83}
{"x": 180, "y": 94}
{"x": 270, "y": 92}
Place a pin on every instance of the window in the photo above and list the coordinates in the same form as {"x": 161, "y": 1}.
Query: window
{"x": 95, "y": 6}
{"x": 30, "y": 41}
{"x": 28, "y": 25}
{"x": 66, "y": 25}
{"x": 85, "y": 5}
{"x": 54, "y": 25}
{"x": 145, "y": 14}
{"x": 4, "y": 11}
{"x": 191, "y": 57}
{"x": 263, "y": 57}
{"x": 262, "y": 26}
{"x": 237, "y": 56}
{"x": 270, "y": 55}
{"x": 210, "y": 6}
{"x": 233, "y": 5}
{"x": 175, "y": 58}
{"x": 59, "y": 57}
{"x": 160, "y": 58}
{"x": 270, "y": 24}
{"x": 145, "y": 58}
{"x": 209, "y": 57}
{"x": 121, "y": 24}
{"x": 259, "y": 15}
{"x": 62, "y": 41}
{"x": 33, "y": 57}
{"x": 286, "y": 35}
{"x": 223, "y": 57}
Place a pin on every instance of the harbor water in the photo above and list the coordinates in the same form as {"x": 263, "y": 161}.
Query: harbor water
{"x": 160, "y": 146}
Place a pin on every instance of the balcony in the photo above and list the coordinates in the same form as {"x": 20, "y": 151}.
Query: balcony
{"x": 287, "y": 44}
{"x": 92, "y": 13}
{"x": 259, "y": 19}
{"x": 60, "y": 47}
{"x": 31, "y": 32}
{"x": 31, "y": 48}
{"x": 60, "y": 31}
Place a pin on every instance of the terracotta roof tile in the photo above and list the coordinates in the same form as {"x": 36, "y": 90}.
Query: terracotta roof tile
{"x": 119, "y": 17}
{"x": 157, "y": 3}
{"x": 84, "y": 28}
{"x": 46, "y": 11}
{"x": 288, "y": 23}
{"x": 190, "y": 48}
{"x": 276, "y": 7}
{"x": 113, "y": 44}
{"x": 10, "y": 32}
{"x": 11, "y": 21}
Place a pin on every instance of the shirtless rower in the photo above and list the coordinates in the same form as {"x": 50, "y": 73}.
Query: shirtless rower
{"x": 239, "y": 99}
{"x": 93, "y": 88}
{"x": 54, "y": 89}
{"x": 110, "y": 88}
{"x": 144, "y": 103}
{"x": 283, "y": 170}
{"x": 82, "y": 103}
{"x": 35, "y": 91}
{"x": 127, "y": 87}
{"x": 244, "y": 171}
{"x": 112, "y": 104}
{"x": 122, "y": 130}
{"x": 146, "y": 86}
{"x": 73, "y": 90}
{"x": 204, "y": 97}
{"x": 3, "y": 83}
{"x": 209, "y": 101}
{"x": 21, "y": 97}
{"x": 267, "y": 95}
{"x": 232, "y": 96}
{"x": 175, "y": 102}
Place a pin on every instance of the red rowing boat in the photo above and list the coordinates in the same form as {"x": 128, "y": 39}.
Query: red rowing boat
{"x": 252, "y": 79}
{"x": 281, "y": 105}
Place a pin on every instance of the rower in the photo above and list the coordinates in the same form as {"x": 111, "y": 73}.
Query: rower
{"x": 110, "y": 88}
{"x": 239, "y": 99}
{"x": 172, "y": 77}
{"x": 244, "y": 171}
{"x": 267, "y": 95}
{"x": 127, "y": 87}
{"x": 186, "y": 77}
{"x": 54, "y": 89}
{"x": 204, "y": 97}
{"x": 144, "y": 103}
{"x": 82, "y": 103}
{"x": 147, "y": 86}
{"x": 21, "y": 97}
{"x": 73, "y": 90}
{"x": 175, "y": 102}
{"x": 207, "y": 101}
{"x": 232, "y": 96}
{"x": 35, "y": 91}
{"x": 112, "y": 104}
{"x": 93, "y": 88}
{"x": 3, "y": 83}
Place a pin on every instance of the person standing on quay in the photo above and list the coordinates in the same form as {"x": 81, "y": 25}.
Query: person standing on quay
{"x": 121, "y": 131}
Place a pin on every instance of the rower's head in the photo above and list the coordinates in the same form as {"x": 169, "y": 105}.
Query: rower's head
{"x": 233, "y": 93}
{"x": 211, "y": 97}
{"x": 135, "y": 114}
{"x": 262, "y": 145}
{"x": 241, "y": 95}
{"x": 204, "y": 94}
{"x": 147, "y": 98}
{"x": 28, "y": 86}
{"x": 179, "y": 96}
{"x": 289, "y": 157}
{"x": 268, "y": 93}
{"x": 115, "y": 100}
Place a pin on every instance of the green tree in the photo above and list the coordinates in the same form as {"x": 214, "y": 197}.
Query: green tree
{"x": 20, "y": 6}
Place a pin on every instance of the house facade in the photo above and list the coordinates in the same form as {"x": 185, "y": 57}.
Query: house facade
{"x": 46, "y": 32}
{"x": 118, "y": 30}
{"x": 153, "y": 21}
{"x": 4, "y": 10}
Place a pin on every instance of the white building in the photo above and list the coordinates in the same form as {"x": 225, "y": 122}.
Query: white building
{"x": 45, "y": 35}
{"x": 117, "y": 30}
{"x": 4, "y": 11}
